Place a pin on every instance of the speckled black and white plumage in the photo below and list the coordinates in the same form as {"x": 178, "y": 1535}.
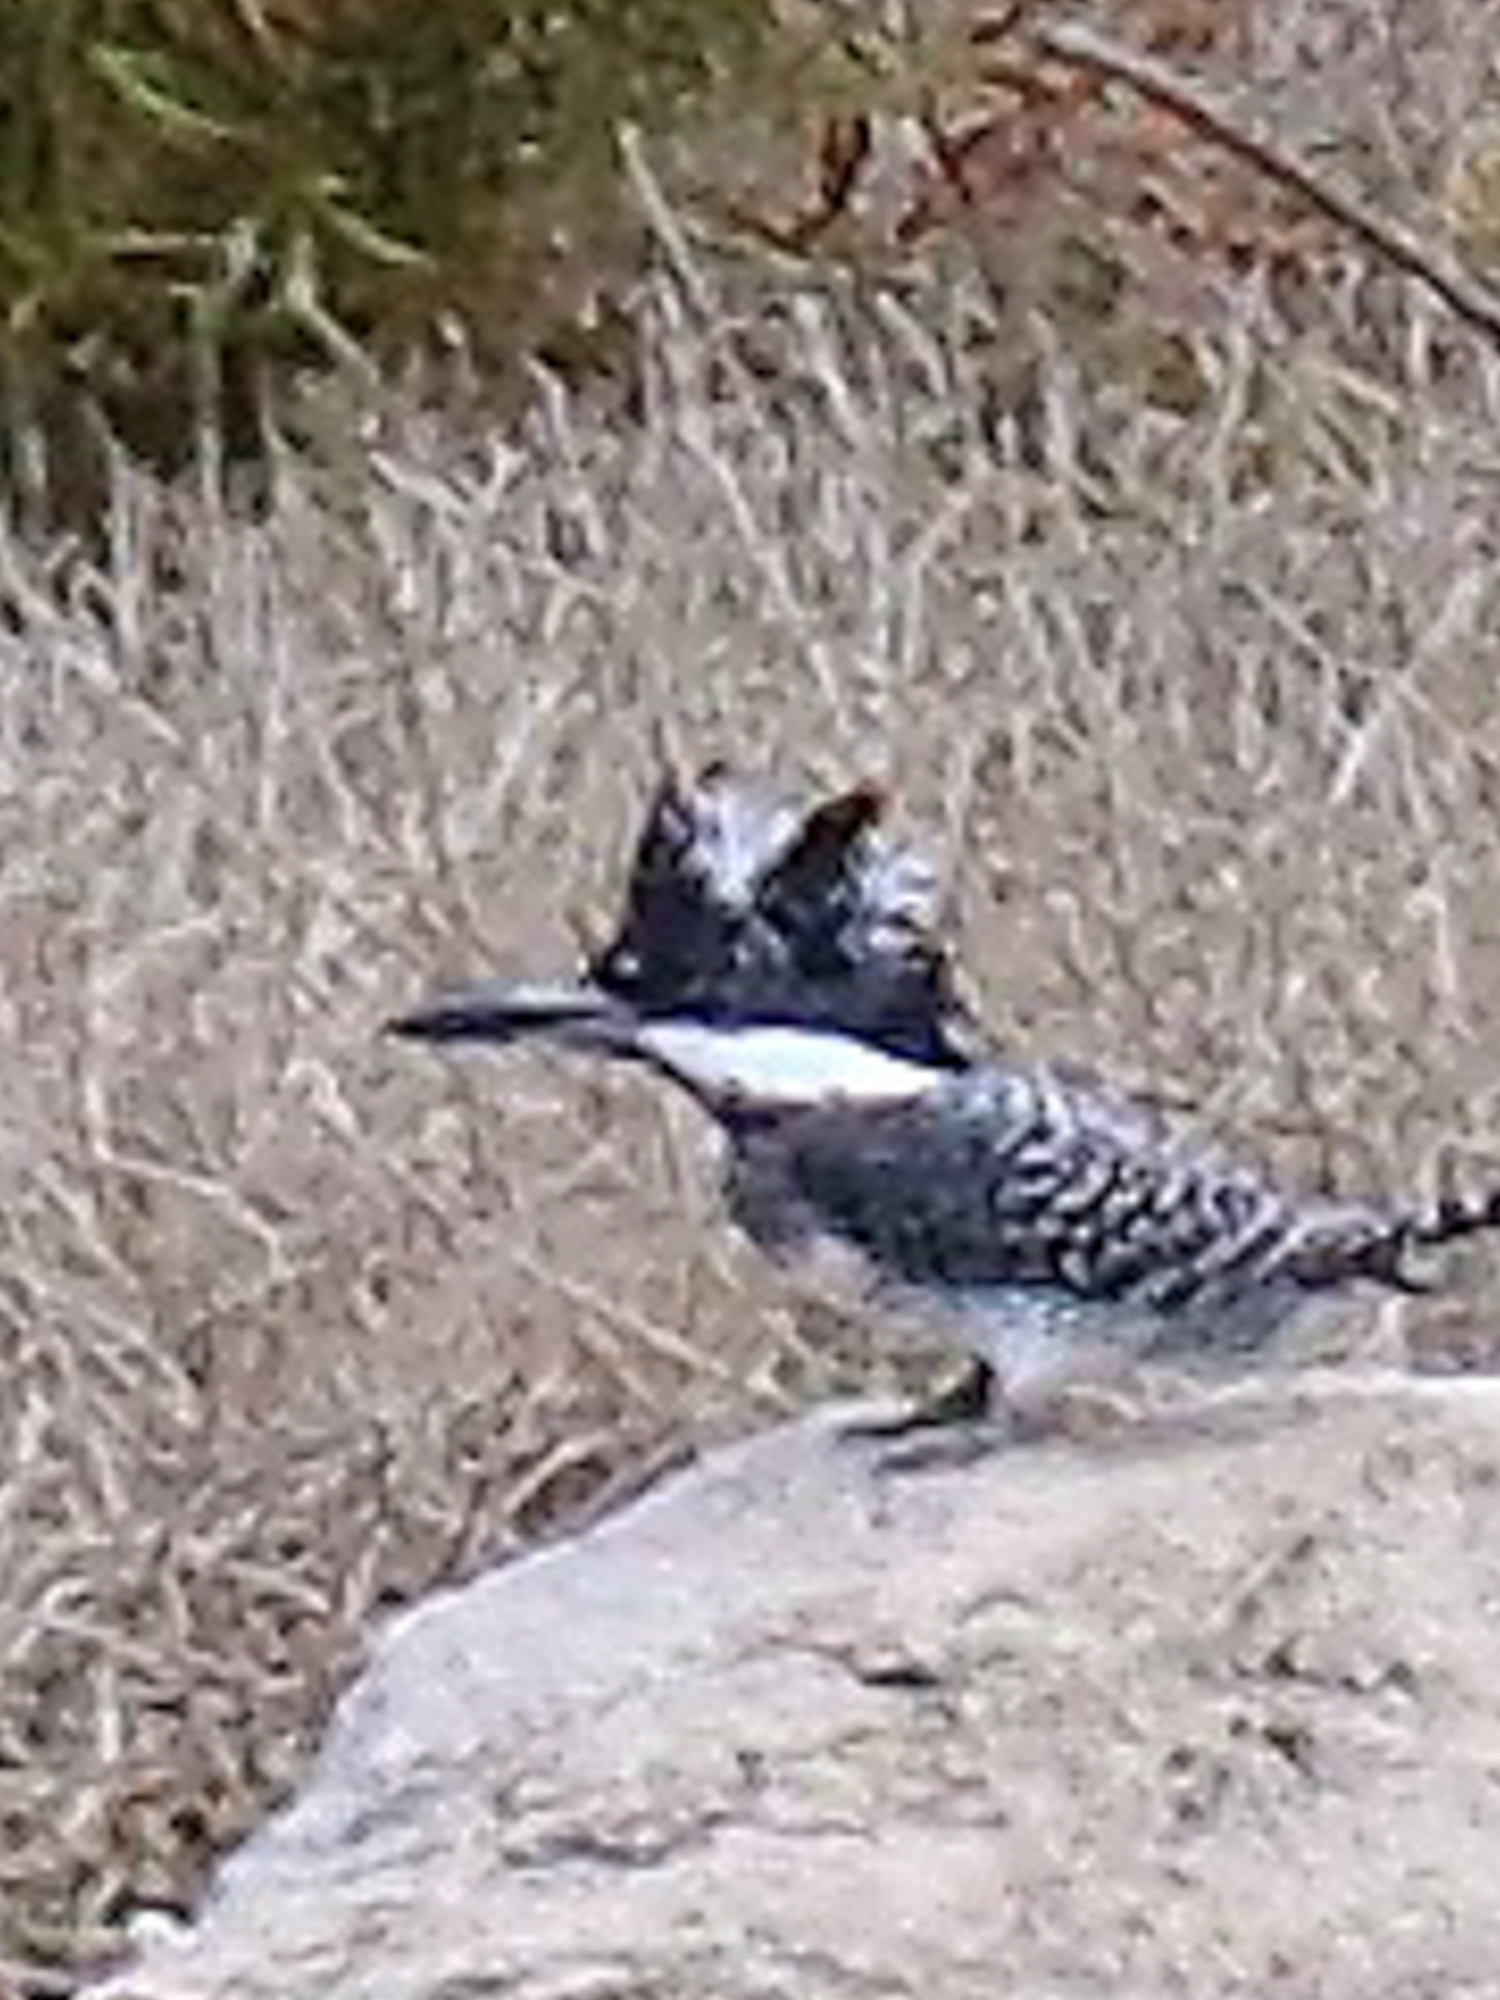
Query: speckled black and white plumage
{"x": 1061, "y": 1232}
{"x": 782, "y": 967}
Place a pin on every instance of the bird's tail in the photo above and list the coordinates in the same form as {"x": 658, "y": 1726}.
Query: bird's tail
{"x": 1388, "y": 1249}
{"x": 1453, "y": 1217}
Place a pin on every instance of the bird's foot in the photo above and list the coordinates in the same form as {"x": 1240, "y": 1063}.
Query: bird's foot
{"x": 964, "y": 1402}
{"x": 971, "y": 1417}
{"x": 953, "y": 1428}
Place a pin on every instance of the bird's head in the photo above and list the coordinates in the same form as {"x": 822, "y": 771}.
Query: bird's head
{"x": 741, "y": 911}
{"x": 740, "y": 908}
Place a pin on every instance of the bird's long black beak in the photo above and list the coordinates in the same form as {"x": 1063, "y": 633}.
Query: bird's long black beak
{"x": 572, "y": 1016}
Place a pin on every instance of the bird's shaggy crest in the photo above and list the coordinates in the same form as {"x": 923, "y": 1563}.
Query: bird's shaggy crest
{"x": 738, "y": 907}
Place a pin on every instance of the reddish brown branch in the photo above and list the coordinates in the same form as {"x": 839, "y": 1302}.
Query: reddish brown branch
{"x": 1081, "y": 49}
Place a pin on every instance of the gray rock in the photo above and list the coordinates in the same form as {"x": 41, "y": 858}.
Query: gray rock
{"x": 1209, "y": 1708}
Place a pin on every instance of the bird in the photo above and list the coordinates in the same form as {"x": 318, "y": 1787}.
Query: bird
{"x": 783, "y": 966}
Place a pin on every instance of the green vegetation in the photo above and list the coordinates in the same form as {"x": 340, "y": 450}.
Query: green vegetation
{"x": 197, "y": 194}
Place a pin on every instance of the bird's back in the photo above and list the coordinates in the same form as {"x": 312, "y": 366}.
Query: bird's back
{"x": 1019, "y": 1187}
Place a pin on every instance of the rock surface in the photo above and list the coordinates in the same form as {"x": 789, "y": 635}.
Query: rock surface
{"x": 1212, "y": 1708}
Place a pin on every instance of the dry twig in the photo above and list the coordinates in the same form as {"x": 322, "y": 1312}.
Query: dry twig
{"x": 1081, "y": 49}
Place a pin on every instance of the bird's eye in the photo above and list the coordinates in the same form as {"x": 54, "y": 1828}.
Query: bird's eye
{"x": 618, "y": 969}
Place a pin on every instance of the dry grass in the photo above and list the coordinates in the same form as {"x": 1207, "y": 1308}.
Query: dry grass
{"x": 1198, "y": 715}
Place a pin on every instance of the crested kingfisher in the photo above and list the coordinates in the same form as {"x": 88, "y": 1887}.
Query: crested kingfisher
{"x": 784, "y": 968}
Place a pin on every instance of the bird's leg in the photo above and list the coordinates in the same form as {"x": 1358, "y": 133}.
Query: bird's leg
{"x": 1077, "y": 1401}
{"x": 962, "y": 1423}
{"x": 965, "y": 1401}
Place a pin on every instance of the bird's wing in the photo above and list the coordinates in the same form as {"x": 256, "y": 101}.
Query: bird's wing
{"x": 1004, "y": 1178}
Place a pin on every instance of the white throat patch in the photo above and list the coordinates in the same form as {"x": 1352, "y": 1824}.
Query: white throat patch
{"x": 785, "y": 1066}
